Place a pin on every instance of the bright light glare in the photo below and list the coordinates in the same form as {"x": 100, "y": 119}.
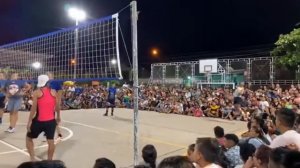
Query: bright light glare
{"x": 77, "y": 14}
{"x": 36, "y": 65}
{"x": 154, "y": 52}
{"x": 113, "y": 61}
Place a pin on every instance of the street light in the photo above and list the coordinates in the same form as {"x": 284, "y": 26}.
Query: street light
{"x": 77, "y": 15}
{"x": 154, "y": 52}
{"x": 36, "y": 65}
{"x": 114, "y": 61}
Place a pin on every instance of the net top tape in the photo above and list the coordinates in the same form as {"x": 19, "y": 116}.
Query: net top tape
{"x": 61, "y": 31}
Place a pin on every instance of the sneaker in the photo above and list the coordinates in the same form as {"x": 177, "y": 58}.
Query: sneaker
{"x": 11, "y": 130}
{"x": 105, "y": 114}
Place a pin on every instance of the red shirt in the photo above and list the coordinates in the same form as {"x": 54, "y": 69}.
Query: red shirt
{"x": 46, "y": 105}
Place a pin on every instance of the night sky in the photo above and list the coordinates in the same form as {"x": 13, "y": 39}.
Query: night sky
{"x": 173, "y": 26}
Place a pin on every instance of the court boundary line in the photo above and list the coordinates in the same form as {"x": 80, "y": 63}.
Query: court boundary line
{"x": 71, "y": 134}
{"x": 18, "y": 150}
{"x": 125, "y": 134}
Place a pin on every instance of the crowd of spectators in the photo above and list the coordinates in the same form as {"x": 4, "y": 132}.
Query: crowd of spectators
{"x": 272, "y": 114}
{"x": 218, "y": 103}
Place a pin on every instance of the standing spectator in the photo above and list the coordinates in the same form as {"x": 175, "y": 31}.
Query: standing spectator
{"x": 176, "y": 162}
{"x": 233, "y": 150}
{"x": 206, "y": 153}
{"x": 261, "y": 157}
{"x": 285, "y": 119}
{"x": 284, "y": 158}
{"x": 15, "y": 97}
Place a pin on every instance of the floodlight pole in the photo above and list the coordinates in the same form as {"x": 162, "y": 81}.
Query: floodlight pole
{"x": 134, "y": 18}
{"x": 76, "y": 48}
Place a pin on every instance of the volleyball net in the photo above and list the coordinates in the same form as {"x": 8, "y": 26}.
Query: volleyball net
{"x": 89, "y": 51}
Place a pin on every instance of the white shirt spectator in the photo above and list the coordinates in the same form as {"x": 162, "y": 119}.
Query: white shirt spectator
{"x": 212, "y": 166}
{"x": 288, "y": 138}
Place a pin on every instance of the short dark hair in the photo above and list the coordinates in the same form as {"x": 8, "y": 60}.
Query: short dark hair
{"x": 44, "y": 163}
{"x": 28, "y": 165}
{"x": 246, "y": 150}
{"x": 141, "y": 166}
{"x": 104, "y": 163}
{"x": 219, "y": 132}
{"x": 149, "y": 155}
{"x": 191, "y": 147}
{"x": 209, "y": 148}
{"x": 287, "y": 117}
{"x": 263, "y": 154}
{"x": 176, "y": 162}
{"x": 232, "y": 137}
{"x": 286, "y": 157}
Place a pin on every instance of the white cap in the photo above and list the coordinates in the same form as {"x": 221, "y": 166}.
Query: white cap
{"x": 42, "y": 80}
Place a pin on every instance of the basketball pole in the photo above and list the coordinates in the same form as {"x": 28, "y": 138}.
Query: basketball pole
{"x": 134, "y": 18}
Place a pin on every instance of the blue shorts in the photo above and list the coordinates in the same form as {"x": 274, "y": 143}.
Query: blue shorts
{"x": 14, "y": 105}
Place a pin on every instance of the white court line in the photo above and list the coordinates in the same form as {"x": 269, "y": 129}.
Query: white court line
{"x": 125, "y": 134}
{"x": 37, "y": 147}
{"x": 93, "y": 127}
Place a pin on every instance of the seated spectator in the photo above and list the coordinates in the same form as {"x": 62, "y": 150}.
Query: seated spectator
{"x": 285, "y": 119}
{"x": 43, "y": 164}
{"x": 213, "y": 110}
{"x": 227, "y": 110}
{"x": 206, "y": 153}
{"x": 246, "y": 150}
{"x": 190, "y": 151}
{"x": 197, "y": 111}
{"x": 237, "y": 114}
{"x": 104, "y": 163}
{"x": 219, "y": 134}
{"x": 149, "y": 155}
{"x": 176, "y": 162}
{"x": 232, "y": 152}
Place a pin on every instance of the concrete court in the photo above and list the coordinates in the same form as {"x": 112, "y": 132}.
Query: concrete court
{"x": 88, "y": 135}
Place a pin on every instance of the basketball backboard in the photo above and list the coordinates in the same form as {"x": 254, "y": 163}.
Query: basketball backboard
{"x": 208, "y": 66}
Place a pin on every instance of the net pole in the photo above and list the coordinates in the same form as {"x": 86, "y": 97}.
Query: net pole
{"x": 134, "y": 18}
{"x": 75, "y": 49}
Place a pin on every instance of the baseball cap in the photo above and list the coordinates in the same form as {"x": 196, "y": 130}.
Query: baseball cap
{"x": 42, "y": 80}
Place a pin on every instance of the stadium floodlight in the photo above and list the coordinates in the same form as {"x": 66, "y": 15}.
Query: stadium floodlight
{"x": 77, "y": 14}
{"x": 114, "y": 61}
{"x": 36, "y": 65}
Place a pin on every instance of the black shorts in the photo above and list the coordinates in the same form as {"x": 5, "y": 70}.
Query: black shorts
{"x": 37, "y": 127}
{"x": 111, "y": 103}
{"x": 2, "y": 104}
{"x": 237, "y": 100}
